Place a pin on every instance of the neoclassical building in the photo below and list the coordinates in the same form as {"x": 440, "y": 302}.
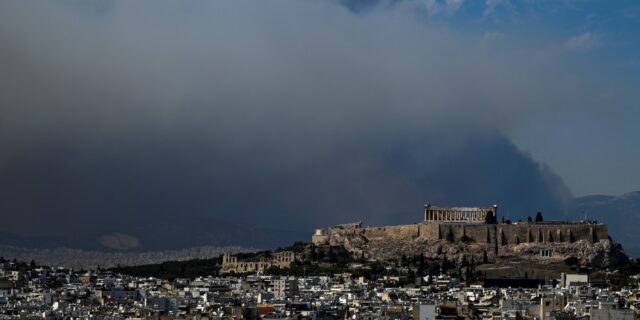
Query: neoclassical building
{"x": 230, "y": 263}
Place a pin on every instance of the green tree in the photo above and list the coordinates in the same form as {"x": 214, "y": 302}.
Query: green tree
{"x": 403, "y": 260}
{"x": 490, "y": 218}
{"x": 571, "y": 261}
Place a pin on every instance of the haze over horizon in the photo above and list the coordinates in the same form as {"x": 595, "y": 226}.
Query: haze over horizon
{"x": 161, "y": 124}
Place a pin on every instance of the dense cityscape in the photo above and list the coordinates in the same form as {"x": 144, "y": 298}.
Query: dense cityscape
{"x": 31, "y": 291}
{"x": 478, "y": 273}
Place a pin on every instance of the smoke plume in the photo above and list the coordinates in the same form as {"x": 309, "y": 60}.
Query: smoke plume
{"x": 253, "y": 122}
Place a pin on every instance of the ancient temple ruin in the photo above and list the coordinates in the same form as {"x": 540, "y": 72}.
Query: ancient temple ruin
{"x": 458, "y": 214}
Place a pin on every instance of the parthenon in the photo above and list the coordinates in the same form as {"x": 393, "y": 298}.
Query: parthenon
{"x": 470, "y": 214}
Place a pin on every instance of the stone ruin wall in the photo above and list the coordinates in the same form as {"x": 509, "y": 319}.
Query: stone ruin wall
{"x": 430, "y": 230}
{"x": 398, "y": 233}
{"x": 526, "y": 232}
{"x": 334, "y": 235}
{"x": 505, "y": 234}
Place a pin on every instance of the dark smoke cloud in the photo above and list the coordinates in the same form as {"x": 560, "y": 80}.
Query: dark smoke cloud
{"x": 237, "y": 122}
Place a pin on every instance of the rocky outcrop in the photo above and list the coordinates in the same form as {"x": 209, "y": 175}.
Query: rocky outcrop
{"x": 601, "y": 253}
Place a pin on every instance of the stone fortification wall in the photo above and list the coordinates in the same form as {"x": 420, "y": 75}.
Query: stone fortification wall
{"x": 502, "y": 234}
{"x": 481, "y": 233}
{"x": 430, "y": 230}
{"x": 536, "y": 242}
{"x": 506, "y": 234}
{"x": 335, "y": 235}
{"x": 398, "y": 233}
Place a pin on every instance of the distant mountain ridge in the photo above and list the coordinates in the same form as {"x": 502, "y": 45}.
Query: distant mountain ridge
{"x": 77, "y": 258}
{"x": 621, "y": 213}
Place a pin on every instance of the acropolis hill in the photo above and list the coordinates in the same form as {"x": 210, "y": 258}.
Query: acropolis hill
{"x": 473, "y": 232}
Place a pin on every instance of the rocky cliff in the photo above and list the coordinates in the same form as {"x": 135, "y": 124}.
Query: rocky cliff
{"x": 385, "y": 245}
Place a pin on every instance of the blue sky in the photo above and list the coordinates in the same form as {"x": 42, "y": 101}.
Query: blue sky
{"x": 595, "y": 147}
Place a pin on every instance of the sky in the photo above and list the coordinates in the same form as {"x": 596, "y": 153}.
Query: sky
{"x": 157, "y": 124}
{"x": 591, "y": 145}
